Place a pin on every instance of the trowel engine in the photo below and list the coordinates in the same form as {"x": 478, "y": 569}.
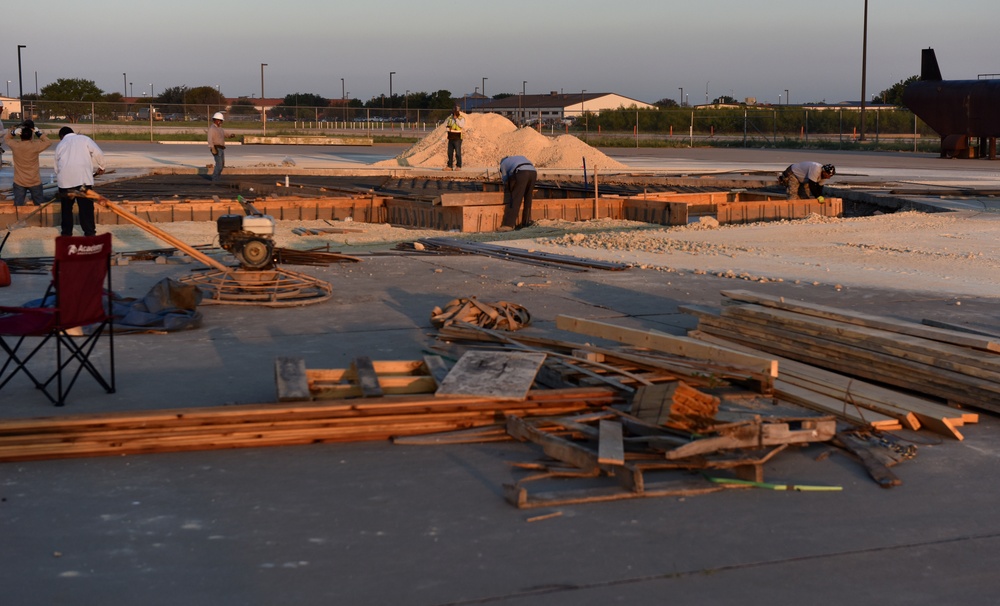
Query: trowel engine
{"x": 250, "y": 237}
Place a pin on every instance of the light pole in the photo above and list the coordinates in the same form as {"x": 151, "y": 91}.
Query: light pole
{"x": 682, "y": 95}
{"x": 124, "y": 85}
{"x": 151, "y": 95}
{"x": 8, "y": 88}
{"x": 131, "y": 93}
{"x": 484, "y": 85}
{"x": 864, "y": 66}
{"x": 390, "y": 89}
{"x": 20, "y": 83}
{"x": 586, "y": 122}
{"x": 406, "y": 106}
{"x": 521, "y": 110}
{"x": 343, "y": 100}
{"x": 786, "y": 96}
{"x": 706, "y": 92}
{"x": 263, "y": 108}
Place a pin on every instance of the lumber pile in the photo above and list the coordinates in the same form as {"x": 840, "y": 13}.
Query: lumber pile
{"x": 625, "y": 450}
{"x": 258, "y": 425}
{"x": 877, "y": 370}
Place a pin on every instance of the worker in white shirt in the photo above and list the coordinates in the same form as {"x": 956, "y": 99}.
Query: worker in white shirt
{"x": 78, "y": 161}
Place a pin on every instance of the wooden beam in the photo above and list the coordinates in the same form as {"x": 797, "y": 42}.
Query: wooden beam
{"x": 678, "y": 346}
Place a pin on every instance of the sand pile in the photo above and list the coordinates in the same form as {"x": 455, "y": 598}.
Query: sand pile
{"x": 490, "y": 137}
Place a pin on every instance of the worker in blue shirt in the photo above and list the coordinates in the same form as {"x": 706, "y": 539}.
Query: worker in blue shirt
{"x": 518, "y": 175}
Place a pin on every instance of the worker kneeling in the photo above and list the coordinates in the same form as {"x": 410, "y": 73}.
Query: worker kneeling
{"x": 806, "y": 179}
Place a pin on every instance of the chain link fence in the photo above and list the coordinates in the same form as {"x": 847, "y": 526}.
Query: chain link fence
{"x": 767, "y": 126}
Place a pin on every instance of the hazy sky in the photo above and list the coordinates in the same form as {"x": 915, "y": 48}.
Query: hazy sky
{"x": 645, "y": 50}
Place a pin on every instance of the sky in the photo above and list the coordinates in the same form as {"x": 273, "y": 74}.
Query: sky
{"x": 643, "y": 49}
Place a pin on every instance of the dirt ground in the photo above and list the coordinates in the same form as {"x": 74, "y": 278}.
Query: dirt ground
{"x": 954, "y": 253}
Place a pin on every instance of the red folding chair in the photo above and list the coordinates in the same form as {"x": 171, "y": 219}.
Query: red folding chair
{"x": 81, "y": 274}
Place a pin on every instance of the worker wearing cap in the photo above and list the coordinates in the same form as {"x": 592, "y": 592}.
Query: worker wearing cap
{"x": 78, "y": 160}
{"x": 518, "y": 175}
{"x": 217, "y": 144}
{"x": 455, "y": 125}
{"x": 806, "y": 179}
{"x": 26, "y": 143}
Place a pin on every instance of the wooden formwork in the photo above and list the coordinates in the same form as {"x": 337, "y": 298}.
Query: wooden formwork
{"x": 467, "y": 216}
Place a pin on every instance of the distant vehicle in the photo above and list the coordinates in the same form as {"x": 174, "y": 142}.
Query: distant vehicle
{"x": 143, "y": 114}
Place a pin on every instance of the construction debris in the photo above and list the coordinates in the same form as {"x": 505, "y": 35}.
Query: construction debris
{"x": 469, "y": 310}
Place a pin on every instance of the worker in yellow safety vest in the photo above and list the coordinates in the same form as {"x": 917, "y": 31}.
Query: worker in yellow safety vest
{"x": 455, "y": 125}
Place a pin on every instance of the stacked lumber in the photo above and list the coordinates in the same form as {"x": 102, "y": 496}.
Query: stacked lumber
{"x": 835, "y": 349}
{"x": 257, "y": 425}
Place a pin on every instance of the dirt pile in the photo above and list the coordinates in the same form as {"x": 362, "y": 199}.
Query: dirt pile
{"x": 490, "y": 137}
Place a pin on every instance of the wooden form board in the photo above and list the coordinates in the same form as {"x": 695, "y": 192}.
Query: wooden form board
{"x": 777, "y": 210}
{"x": 497, "y": 374}
{"x": 679, "y": 346}
{"x": 475, "y": 198}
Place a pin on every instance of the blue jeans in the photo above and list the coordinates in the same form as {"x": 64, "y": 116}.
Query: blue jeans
{"x": 37, "y": 195}
{"x": 220, "y": 162}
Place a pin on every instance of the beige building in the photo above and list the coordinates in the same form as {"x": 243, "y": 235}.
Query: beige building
{"x": 556, "y": 107}
{"x": 11, "y": 105}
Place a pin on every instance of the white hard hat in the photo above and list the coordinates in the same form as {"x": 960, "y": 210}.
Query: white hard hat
{"x": 218, "y": 116}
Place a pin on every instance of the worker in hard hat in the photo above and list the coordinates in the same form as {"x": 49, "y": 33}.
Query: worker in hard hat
{"x": 806, "y": 179}
{"x": 217, "y": 144}
{"x": 455, "y": 125}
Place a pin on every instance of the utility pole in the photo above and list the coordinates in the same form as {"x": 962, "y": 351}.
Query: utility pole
{"x": 263, "y": 108}
{"x": 864, "y": 69}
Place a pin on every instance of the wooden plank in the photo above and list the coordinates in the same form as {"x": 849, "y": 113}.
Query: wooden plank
{"x": 817, "y": 401}
{"x": 871, "y": 321}
{"x": 436, "y": 367}
{"x": 367, "y": 377}
{"x": 291, "y": 380}
{"x": 473, "y": 198}
{"x": 959, "y": 328}
{"x": 610, "y": 447}
{"x": 679, "y": 346}
{"x": 560, "y": 449}
{"x": 497, "y": 374}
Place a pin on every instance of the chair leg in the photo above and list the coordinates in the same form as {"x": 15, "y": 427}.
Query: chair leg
{"x": 80, "y": 353}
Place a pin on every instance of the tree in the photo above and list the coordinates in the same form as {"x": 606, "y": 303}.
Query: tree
{"x": 289, "y": 108}
{"x": 725, "y": 99}
{"x": 204, "y": 95}
{"x": 243, "y": 107}
{"x": 666, "y": 103}
{"x": 71, "y": 97}
{"x": 173, "y": 95}
{"x": 894, "y": 94}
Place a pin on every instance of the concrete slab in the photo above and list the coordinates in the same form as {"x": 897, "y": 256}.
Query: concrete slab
{"x": 381, "y": 524}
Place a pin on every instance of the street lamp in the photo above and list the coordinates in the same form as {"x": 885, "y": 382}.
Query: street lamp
{"x": 706, "y": 92}
{"x": 390, "y": 89}
{"x": 131, "y": 93}
{"x": 343, "y": 93}
{"x": 124, "y": 85}
{"x": 406, "y": 106}
{"x": 864, "y": 66}
{"x": 8, "y": 88}
{"x": 682, "y": 95}
{"x": 263, "y": 110}
{"x": 786, "y": 96}
{"x": 20, "y": 83}
{"x": 484, "y": 85}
